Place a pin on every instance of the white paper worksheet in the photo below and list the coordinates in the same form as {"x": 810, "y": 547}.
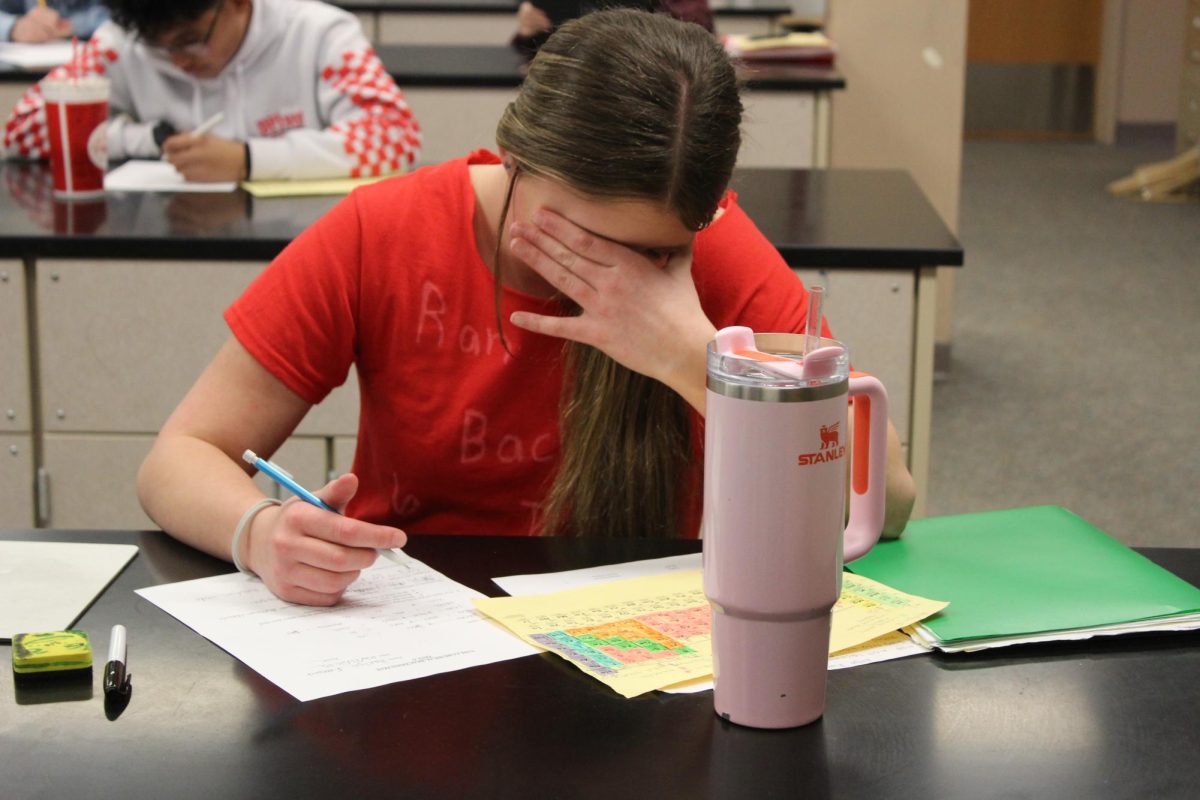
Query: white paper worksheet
{"x": 542, "y": 583}
{"x": 142, "y": 175}
{"x": 35, "y": 56}
{"x": 393, "y": 624}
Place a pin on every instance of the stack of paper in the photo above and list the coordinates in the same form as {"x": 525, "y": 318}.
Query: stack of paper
{"x": 1028, "y": 575}
{"x": 35, "y": 56}
{"x": 141, "y": 175}
{"x": 805, "y": 47}
{"x": 654, "y": 632}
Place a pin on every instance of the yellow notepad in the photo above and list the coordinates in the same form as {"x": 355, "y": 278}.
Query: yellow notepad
{"x": 327, "y": 186}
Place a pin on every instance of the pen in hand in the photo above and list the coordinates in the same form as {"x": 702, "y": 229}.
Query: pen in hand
{"x": 165, "y": 130}
{"x": 285, "y": 479}
{"x": 208, "y": 124}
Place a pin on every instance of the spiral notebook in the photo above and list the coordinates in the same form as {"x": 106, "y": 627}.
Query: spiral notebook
{"x": 1028, "y": 575}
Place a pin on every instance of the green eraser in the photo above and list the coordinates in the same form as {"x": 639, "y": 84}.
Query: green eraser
{"x": 55, "y": 652}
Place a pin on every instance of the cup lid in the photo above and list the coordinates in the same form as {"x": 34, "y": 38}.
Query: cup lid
{"x": 774, "y": 366}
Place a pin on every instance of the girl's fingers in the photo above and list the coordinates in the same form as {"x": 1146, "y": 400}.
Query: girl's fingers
{"x": 330, "y": 541}
{"x": 319, "y": 581}
{"x": 576, "y": 239}
{"x": 305, "y": 597}
{"x": 572, "y": 328}
{"x": 560, "y": 277}
{"x": 551, "y": 247}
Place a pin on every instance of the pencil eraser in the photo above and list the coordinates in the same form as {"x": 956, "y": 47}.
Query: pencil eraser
{"x": 64, "y": 654}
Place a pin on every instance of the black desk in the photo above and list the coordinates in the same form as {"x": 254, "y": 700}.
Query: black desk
{"x": 501, "y": 66}
{"x": 815, "y": 218}
{"x": 743, "y": 8}
{"x": 1110, "y": 718}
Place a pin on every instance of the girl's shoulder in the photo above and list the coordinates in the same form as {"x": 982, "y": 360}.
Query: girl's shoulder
{"x": 423, "y": 199}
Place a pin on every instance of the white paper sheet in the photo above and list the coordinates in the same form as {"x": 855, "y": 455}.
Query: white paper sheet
{"x": 35, "y": 56}
{"x": 140, "y": 175}
{"x": 517, "y": 585}
{"x": 393, "y": 624}
{"x": 46, "y": 586}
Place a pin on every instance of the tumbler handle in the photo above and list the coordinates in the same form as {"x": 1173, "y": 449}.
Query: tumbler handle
{"x": 868, "y": 462}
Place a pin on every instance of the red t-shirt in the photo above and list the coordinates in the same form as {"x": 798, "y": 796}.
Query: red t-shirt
{"x": 455, "y": 435}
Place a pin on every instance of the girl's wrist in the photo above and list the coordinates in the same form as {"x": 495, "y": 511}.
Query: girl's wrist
{"x": 689, "y": 373}
{"x": 263, "y": 521}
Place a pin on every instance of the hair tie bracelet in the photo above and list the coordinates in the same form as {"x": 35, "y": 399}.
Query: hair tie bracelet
{"x": 244, "y": 525}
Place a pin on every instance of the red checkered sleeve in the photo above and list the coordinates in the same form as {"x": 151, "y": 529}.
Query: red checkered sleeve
{"x": 377, "y": 128}
{"x": 25, "y": 133}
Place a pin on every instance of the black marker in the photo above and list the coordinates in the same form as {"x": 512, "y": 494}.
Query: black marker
{"x": 116, "y": 677}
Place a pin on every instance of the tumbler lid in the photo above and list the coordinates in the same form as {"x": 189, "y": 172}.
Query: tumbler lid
{"x": 775, "y": 367}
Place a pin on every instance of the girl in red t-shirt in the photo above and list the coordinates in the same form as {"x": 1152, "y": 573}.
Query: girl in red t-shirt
{"x": 528, "y": 330}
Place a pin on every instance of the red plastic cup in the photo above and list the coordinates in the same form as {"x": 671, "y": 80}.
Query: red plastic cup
{"x": 77, "y": 119}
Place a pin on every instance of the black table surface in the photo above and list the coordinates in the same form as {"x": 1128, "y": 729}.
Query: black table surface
{"x": 492, "y": 66}
{"x": 744, "y": 8}
{"x": 838, "y": 217}
{"x": 1108, "y": 717}
{"x": 499, "y": 65}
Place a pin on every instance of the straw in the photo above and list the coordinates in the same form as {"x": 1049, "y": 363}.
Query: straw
{"x": 73, "y": 72}
{"x": 812, "y": 328}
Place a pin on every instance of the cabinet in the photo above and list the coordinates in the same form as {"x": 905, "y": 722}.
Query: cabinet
{"x": 873, "y": 312}
{"x": 426, "y": 25}
{"x": 16, "y": 480}
{"x": 1187, "y": 130}
{"x": 16, "y": 425}
{"x": 781, "y": 129}
{"x": 14, "y": 347}
{"x": 89, "y": 480}
{"x": 120, "y": 343}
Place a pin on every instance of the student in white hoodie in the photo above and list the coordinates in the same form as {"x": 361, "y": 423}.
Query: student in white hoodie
{"x": 302, "y": 92}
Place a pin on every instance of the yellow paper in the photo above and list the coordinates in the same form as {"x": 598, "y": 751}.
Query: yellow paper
{"x": 648, "y": 633}
{"x": 886, "y": 640}
{"x": 793, "y": 39}
{"x": 635, "y": 635}
{"x": 868, "y": 609}
{"x": 307, "y": 188}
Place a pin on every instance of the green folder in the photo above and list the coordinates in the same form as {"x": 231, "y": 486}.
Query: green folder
{"x": 1028, "y": 574}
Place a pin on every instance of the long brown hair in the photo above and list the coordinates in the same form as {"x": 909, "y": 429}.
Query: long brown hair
{"x": 629, "y": 105}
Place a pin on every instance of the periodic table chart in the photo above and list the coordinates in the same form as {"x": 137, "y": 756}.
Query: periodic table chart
{"x": 634, "y": 635}
{"x": 647, "y": 633}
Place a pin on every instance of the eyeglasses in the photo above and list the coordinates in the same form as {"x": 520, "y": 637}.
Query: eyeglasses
{"x": 196, "y": 47}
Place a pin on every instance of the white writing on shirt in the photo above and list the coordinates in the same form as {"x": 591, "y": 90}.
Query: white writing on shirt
{"x": 279, "y": 123}
{"x": 509, "y": 448}
{"x": 469, "y": 340}
{"x": 409, "y": 505}
{"x": 405, "y": 506}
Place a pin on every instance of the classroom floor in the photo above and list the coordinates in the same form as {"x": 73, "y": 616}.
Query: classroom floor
{"x": 1075, "y": 365}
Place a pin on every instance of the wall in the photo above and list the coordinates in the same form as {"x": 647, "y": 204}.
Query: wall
{"x": 904, "y": 62}
{"x": 1151, "y": 61}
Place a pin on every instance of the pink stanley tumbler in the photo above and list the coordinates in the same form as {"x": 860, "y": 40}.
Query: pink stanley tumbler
{"x": 775, "y": 472}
